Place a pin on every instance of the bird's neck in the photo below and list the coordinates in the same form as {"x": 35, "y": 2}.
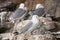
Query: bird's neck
{"x": 24, "y": 8}
{"x": 35, "y": 20}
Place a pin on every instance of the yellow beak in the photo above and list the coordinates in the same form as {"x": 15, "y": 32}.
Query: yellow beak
{"x": 40, "y": 18}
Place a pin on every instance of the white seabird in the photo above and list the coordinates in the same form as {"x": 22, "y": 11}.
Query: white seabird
{"x": 31, "y": 25}
{"x": 39, "y": 10}
{"x": 19, "y": 12}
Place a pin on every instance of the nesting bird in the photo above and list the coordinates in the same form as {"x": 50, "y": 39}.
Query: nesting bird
{"x": 19, "y": 12}
{"x": 40, "y": 23}
{"x": 31, "y": 25}
{"x": 39, "y": 10}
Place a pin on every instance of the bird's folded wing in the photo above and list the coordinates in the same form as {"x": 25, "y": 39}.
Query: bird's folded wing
{"x": 24, "y": 29}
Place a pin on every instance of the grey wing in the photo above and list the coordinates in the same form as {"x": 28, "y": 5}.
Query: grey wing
{"x": 18, "y": 13}
{"x": 34, "y": 26}
{"x": 38, "y": 12}
{"x": 24, "y": 29}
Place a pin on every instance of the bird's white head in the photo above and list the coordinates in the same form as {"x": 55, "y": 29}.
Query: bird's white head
{"x": 35, "y": 19}
{"x": 22, "y": 5}
{"x": 39, "y": 6}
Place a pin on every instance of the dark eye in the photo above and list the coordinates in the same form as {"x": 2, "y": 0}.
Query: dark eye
{"x": 36, "y": 16}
